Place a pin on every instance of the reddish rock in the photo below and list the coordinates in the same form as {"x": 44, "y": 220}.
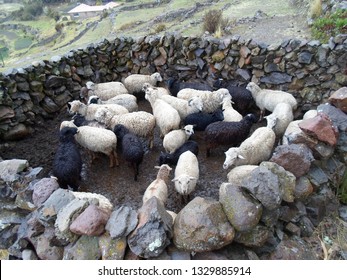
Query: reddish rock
{"x": 90, "y": 222}
{"x": 321, "y": 128}
{"x": 43, "y": 189}
{"x": 339, "y": 99}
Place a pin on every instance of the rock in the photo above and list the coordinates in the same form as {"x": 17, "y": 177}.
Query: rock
{"x": 9, "y": 169}
{"x": 293, "y": 248}
{"x": 43, "y": 189}
{"x": 339, "y": 99}
{"x": 343, "y": 212}
{"x": 65, "y": 218}
{"x": 44, "y": 248}
{"x": 242, "y": 211}
{"x": 55, "y": 81}
{"x": 112, "y": 249}
{"x": 202, "y": 226}
{"x": 286, "y": 179}
{"x": 85, "y": 248}
{"x": 338, "y": 118}
{"x": 18, "y": 132}
{"x": 255, "y": 237}
{"x": 240, "y": 173}
{"x": 303, "y": 188}
{"x": 176, "y": 254}
{"x": 28, "y": 254}
{"x": 6, "y": 113}
{"x": 321, "y": 128}
{"x": 295, "y": 158}
{"x": 306, "y": 227}
{"x": 90, "y": 222}
{"x": 153, "y": 232}
{"x": 122, "y": 222}
{"x": 270, "y": 217}
{"x": 265, "y": 186}
{"x": 276, "y": 78}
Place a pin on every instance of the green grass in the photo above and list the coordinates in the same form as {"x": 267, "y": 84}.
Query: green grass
{"x": 22, "y": 43}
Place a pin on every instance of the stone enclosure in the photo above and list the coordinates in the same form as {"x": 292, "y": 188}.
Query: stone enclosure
{"x": 290, "y": 202}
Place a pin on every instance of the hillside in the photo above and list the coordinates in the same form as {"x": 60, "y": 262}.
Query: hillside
{"x": 268, "y": 21}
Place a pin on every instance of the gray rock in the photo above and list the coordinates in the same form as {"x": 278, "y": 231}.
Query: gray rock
{"x": 85, "y": 248}
{"x": 112, "y": 248}
{"x": 55, "y": 81}
{"x": 270, "y": 217}
{"x": 122, "y": 222}
{"x": 9, "y": 169}
{"x": 343, "y": 212}
{"x": 28, "y": 254}
{"x": 242, "y": 211}
{"x": 338, "y": 118}
{"x": 43, "y": 246}
{"x": 295, "y": 158}
{"x": 43, "y": 189}
{"x": 303, "y": 188}
{"x": 276, "y": 78}
{"x": 255, "y": 237}
{"x": 202, "y": 226}
{"x": 153, "y": 232}
{"x": 265, "y": 186}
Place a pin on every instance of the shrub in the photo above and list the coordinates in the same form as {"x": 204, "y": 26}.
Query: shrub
{"x": 59, "y": 27}
{"x": 211, "y": 20}
{"x": 159, "y": 28}
{"x": 315, "y": 9}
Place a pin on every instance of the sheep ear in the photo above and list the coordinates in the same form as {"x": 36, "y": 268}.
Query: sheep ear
{"x": 157, "y": 167}
{"x": 192, "y": 178}
{"x": 189, "y": 102}
{"x": 241, "y": 157}
{"x": 174, "y": 180}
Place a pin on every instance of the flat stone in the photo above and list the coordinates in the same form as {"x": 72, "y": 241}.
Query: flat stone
{"x": 9, "y": 169}
{"x": 43, "y": 189}
{"x": 122, "y": 222}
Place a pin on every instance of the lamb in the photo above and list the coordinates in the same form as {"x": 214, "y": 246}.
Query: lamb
{"x": 201, "y": 120}
{"x": 229, "y": 113}
{"x": 171, "y": 159}
{"x": 135, "y": 82}
{"x": 131, "y": 147}
{"x": 128, "y": 101}
{"x": 175, "y": 86}
{"x": 159, "y": 90}
{"x": 96, "y": 140}
{"x": 210, "y": 99}
{"x": 267, "y": 99}
{"x": 186, "y": 174}
{"x": 107, "y": 90}
{"x": 241, "y": 96}
{"x": 255, "y": 149}
{"x": 158, "y": 187}
{"x": 140, "y": 123}
{"x": 167, "y": 117}
{"x": 176, "y": 138}
{"x": 67, "y": 162}
{"x": 89, "y": 111}
{"x": 228, "y": 133}
{"x": 283, "y": 114}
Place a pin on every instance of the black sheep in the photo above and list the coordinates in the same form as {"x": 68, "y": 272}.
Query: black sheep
{"x": 201, "y": 120}
{"x": 175, "y": 86}
{"x": 228, "y": 133}
{"x": 67, "y": 163}
{"x": 130, "y": 147}
{"x": 242, "y": 97}
{"x": 171, "y": 159}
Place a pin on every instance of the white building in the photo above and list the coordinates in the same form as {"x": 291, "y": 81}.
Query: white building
{"x": 85, "y": 11}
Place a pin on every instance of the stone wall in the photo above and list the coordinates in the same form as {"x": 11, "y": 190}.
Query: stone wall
{"x": 310, "y": 70}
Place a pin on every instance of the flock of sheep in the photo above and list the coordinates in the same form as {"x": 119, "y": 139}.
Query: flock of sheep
{"x": 107, "y": 121}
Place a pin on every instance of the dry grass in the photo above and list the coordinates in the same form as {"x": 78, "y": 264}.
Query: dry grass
{"x": 315, "y": 9}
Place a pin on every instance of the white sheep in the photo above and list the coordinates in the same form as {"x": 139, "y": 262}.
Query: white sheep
{"x": 240, "y": 173}
{"x": 158, "y": 187}
{"x": 134, "y": 82}
{"x": 96, "y": 140}
{"x": 160, "y": 90}
{"x": 229, "y": 113}
{"x": 211, "y": 99}
{"x": 255, "y": 149}
{"x": 167, "y": 117}
{"x": 140, "y": 123}
{"x": 128, "y": 101}
{"x": 186, "y": 174}
{"x": 283, "y": 114}
{"x": 176, "y": 138}
{"x": 89, "y": 111}
{"x": 268, "y": 99}
{"x": 107, "y": 90}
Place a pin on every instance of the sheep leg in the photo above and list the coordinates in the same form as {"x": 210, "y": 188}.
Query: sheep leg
{"x": 116, "y": 157}
{"x": 151, "y": 141}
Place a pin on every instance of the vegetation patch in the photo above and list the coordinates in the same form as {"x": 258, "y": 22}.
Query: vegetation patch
{"x": 22, "y": 43}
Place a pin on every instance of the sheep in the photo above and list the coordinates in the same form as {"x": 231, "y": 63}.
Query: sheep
{"x": 175, "y": 86}
{"x": 67, "y": 162}
{"x": 140, "y": 123}
{"x": 176, "y": 138}
{"x": 89, "y": 111}
{"x": 128, "y": 101}
{"x": 159, "y": 90}
{"x": 80, "y": 120}
{"x": 158, "y": 187}
{"x": 283, "y": 114}
{"x": 107, "y": 90}
{"x": 131, "y": 147}
{"x": 241, "y": 96}
{"x": 229, "y": 113}
{"x": 228, "y": 133}
{"x": 268, "y": 99}
{"x": 134, "y": 82}
{"x": 167, "y": 117}
{"x": 171, "y": 159}
{"x": 255, "y": 149}
{"x": 201, "y": 120}
{"x": 186, "y": 174}
{"x": 96, "y": 140}
{"x": 211, "y": 99}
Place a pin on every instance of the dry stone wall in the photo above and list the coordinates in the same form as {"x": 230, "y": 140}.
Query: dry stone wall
{"x": 308, "y": 69}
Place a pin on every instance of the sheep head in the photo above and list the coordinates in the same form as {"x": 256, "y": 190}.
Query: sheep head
{"x": 184, "y": 184}
{"x": 156, "y": 77}
{"x": 189, "y": 129}
{"x": 231, "y": 156}
{"x": 196, "y": 102}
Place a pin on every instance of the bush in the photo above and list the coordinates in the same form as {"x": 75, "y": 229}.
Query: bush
{"x": 330, "y": 25}
{"x": 59, "y": 27}
{"x": 30, "y": 11}
{"x": 214, "y": 23}
{"x": 159, "y": 28}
